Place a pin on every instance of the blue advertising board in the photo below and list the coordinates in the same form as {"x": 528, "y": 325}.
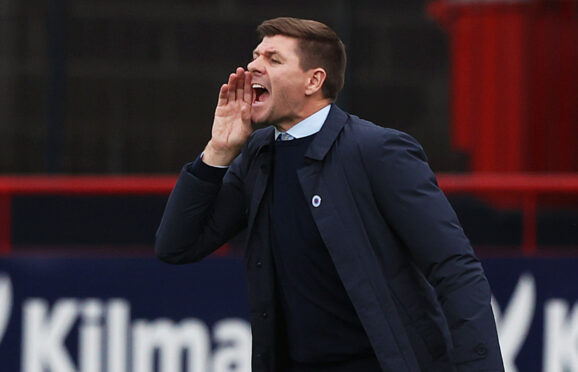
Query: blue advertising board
{"x": 140, "y": 315}
{"x": 535, "y": 305}
{"x": 122, "y": 315}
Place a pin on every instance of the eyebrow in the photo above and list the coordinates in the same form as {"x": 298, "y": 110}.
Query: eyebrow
{"x": 267, "y": 53}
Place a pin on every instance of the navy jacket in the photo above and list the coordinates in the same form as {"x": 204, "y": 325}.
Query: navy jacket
{"x": 397, "y": 245}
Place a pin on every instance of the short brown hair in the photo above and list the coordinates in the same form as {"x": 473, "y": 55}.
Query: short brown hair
{"x": 319, "y": 46}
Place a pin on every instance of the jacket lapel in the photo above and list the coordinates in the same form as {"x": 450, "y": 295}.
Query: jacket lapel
{"x": 323, "y": 141}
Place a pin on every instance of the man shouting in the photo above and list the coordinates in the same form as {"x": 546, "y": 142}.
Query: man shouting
{"x": 355, "y": 260}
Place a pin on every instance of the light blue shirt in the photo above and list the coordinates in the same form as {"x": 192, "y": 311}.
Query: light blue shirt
{"x": 308, "y": 126}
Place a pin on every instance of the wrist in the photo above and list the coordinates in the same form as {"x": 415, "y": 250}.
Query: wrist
{"x": 218, "y": 156}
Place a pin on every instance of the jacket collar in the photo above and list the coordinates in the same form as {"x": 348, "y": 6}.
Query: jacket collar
{"x": 264, "y": 138}
{"x": 328, "y": 134}
{"x": 322, "y": 142}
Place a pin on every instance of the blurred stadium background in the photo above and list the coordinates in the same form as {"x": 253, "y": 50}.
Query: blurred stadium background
{"x": 102, "y": 102}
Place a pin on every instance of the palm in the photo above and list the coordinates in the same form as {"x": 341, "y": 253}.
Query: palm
{"x": 232, "y": 123}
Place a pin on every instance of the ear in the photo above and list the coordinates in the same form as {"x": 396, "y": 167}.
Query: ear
{"x": 315, "y": 81}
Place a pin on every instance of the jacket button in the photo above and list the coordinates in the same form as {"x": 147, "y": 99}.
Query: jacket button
{"x": 259, "y": 263}
{"x": 481, "y": 350}
{"x": 264, "y": 315}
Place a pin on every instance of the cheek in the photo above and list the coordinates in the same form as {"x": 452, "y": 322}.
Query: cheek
{"x": 291, "y": 90}
{"x": 288, "y": 81}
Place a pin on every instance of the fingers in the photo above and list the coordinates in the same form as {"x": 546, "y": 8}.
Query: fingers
{"x": 248, "y": 91}
{"x": 240, "y": 83}
{"x": 223, "y": 93}
{"x": 232, "y": 83}
{"x": 238, "y": 87}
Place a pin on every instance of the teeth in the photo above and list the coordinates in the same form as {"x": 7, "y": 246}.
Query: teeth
{"x": 257, "y": 86}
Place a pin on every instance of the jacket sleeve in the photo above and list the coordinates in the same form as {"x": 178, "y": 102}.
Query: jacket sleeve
{"x": 200, "y": 216}
{"x": 422, "y": 217}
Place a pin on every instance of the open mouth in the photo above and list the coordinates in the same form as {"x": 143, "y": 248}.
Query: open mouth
{"x": 260, "y": 93}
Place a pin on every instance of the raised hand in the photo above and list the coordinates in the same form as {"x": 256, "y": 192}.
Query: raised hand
{"x": 232, "y": 123}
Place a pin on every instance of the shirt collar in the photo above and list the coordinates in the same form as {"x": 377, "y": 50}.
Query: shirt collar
{"x": 308, "y": 126}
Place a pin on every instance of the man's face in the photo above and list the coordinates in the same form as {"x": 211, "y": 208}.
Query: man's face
{"x": 278, "y": 82}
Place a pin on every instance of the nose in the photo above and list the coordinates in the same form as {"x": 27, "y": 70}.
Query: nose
{"x": 255, "y": 66}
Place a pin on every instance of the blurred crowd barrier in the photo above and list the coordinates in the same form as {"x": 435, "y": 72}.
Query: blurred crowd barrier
{"x": 501, "y": 213}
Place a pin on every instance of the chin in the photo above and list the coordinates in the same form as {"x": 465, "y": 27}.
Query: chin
{"x": 257, "y": 120}
{"x": 260, "y": 119}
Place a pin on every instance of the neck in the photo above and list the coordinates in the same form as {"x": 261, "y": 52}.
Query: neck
{"x": 304, "y": 113}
